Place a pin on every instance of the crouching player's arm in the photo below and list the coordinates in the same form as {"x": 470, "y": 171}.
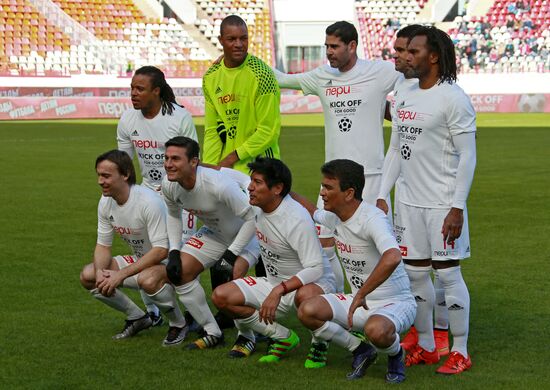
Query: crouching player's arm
{"x": 155, "y": 221}
{"x": 386, "y": 265}
{"x": 308, "y": 250}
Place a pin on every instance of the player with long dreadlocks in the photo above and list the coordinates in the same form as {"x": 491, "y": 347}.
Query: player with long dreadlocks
{"x": 436, "y": 124}
{"x": 155, "y": 118}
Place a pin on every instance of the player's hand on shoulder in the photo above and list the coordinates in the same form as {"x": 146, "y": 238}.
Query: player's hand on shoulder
{"x": 382, "y": 205}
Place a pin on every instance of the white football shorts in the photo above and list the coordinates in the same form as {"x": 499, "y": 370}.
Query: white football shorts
{"x": 256, "y": 290}
{"x": 418, "y": 233}
{"x": 400, "y": 312}
{"x": 207, "y": 247}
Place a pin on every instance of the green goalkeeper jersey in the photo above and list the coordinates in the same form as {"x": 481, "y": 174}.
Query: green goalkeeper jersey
{"x": 241, "y": 112}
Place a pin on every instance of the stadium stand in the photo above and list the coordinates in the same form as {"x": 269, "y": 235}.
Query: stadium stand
{"x": 511, "y": 37}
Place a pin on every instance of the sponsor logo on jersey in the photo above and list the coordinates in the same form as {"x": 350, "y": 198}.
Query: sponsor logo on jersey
{"x": 318, "y": 228}
{"x": 341, "y": 297}
{"x": 135, "y": 133}
{"x": 406, "y": 115}
{"x": 261, "y": 236}
{"x": 122, "y": 230}
{"x": 195, "y": 243}
{"x": 111, "y": 218}
{"x": 337, "y": 91}
{"x": 249, "y": 280}
{"x": 329, "y": 84}
{"x": 230, "y": 97}
{"x": 129, "y": 259}
{"x": 342, "y": 247}
{"x": 418, "y": 298}
{"x": 218, "y": 90}
{"x": 145, "y": 144}
{"x": 403, "y": 250}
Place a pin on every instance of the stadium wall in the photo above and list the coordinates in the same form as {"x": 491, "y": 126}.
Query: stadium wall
{"x": 105, "y": 97}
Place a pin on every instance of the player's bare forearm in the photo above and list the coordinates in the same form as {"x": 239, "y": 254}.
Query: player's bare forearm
{"x": 102, "y": 257}
{"x": 386, "y": 265}
{"x": 151, "y": 258}
{"x": 229, "y": 160}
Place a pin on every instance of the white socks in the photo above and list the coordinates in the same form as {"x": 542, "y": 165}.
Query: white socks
{"x": 330, "y": 252}
{"x": 120, "y": 301}
{"x": 458, "y": 305}
{"x": 424, "y": 294}
{"x": 441, "y": 315}
{"x": 149, "y": 304}
{"x": 331, "y": 331}
{"x": 392, "y": 349}
{"x": 165, "y": 299}
{"x": 193, "y": 298}
{"x": 275, "y": 330}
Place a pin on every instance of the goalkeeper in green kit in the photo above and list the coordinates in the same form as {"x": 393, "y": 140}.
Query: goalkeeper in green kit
{"x": 242, "y": 117}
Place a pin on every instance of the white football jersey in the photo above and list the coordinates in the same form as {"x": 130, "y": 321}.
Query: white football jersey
{"x": 141, "y": 221}
{"x": 426, "y": 121}
{"x": 216, "y": 200}
{"x": 147, "y": 138}
{"x": 289, "y": 243}
{"x": 360, "y": 242}
{"x": 353, "y": 105}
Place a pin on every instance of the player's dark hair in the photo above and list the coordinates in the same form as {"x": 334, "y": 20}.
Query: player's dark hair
{"x": 440, "y": 43}
{"x": 409, "y": 31}
{"x": 167, "y": 97}
{"x": 191, "y": 146}
{"x": 349, "y": 173}
{"x": 231, "y": 20}
{"x": 343, "y": 30}
{"x": 274, "y": 172}
{"x": 123, "y": 162}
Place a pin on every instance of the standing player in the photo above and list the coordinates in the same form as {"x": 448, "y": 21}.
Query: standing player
{"x": 228, "y": 227}
{"x": 353, "y": 94}
{"x": 138, "y": 215}
{"x": 381, "y": 304}
{"x": 242, "y": 118}
{"x": 155, "y": 119}
{"x": 436, "y": 125}
{"x": 408, "y": 81}
{"x": 296, "y": 266}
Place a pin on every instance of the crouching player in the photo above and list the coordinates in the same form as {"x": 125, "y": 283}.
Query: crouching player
{"x": 381, "y": 304}
{"x": 227, "y": 229}
{"x": 138, "y": 215}
{"x": 296, "y": 266}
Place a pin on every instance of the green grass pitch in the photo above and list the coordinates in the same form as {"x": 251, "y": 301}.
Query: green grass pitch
{"x": 53, "y": 335}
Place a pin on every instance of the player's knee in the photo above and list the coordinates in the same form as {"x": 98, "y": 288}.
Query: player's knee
{"x": 379, "y": 334}
{"x": 149, "y": 281}
{"x": 307, "y": 310}
{"x": 220, "y": 297}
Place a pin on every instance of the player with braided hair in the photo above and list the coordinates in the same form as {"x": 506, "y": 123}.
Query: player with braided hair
{"x": 143, "y": 130}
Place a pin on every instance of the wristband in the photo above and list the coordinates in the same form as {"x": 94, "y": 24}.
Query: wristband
{"x": 285, "y": 289}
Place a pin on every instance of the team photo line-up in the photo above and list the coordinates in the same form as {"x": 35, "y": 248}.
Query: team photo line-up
{"x": 402, "y": 263}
